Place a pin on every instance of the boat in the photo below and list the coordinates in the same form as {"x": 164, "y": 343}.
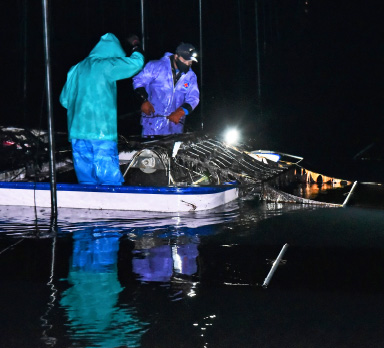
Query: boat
{"x": 110, "y": 197}
{"x": 178, "y": 173}
{"x": 362, "y": 185}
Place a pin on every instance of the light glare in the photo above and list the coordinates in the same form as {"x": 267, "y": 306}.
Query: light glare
{"x": 231, "y": 136}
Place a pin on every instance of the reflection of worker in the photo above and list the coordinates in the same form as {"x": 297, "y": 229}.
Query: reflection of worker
{"x": 169, "y": 91}
{"x": 155, "y": 262}
{"x": 91, "y": 303}
{"x": 90, "y": 95}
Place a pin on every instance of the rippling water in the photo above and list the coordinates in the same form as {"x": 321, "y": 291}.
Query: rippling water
{"x": 131, "y": 279}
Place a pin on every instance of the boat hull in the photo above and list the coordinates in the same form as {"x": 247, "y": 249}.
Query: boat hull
{"x": 140, "y": 198}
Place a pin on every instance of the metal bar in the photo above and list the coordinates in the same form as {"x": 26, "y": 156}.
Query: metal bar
{"x": 363, "y": 150}
{"x": 280, "y": 153}
{"x": 11, "y": 246}
{"x": 240, "y": 17}
{"x": 350, "y": 194}
{"x": 47, "y": 326}
{"x": 377, "y": 183}
{"x": 258, "y": 58}
{"x": 52, "y": 160}
{"x": 142, "y": 24}
{"x": 25, "y": 60}
{"x": 201, "y": 64}
{"x": 274, "y": 266}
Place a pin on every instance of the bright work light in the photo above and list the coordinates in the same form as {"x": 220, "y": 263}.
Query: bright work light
{"x": 231, "y": 136}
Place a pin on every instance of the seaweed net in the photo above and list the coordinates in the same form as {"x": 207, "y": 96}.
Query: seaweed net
{"x": 200, "y": 159}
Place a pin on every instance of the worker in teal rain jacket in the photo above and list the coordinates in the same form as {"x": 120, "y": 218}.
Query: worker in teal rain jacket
{"x": 169, "y": 92}
{"x": 90, "y": 97}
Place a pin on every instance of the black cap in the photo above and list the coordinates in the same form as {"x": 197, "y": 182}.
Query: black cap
{"x": 187, "y": 51}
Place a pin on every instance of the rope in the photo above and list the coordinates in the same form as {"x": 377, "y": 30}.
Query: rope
{"x": 11, "y": 246}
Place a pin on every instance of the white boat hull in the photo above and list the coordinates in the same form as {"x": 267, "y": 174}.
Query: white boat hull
{"x": 140, "y": 198}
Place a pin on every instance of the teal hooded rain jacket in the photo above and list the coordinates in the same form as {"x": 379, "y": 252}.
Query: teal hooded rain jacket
{"x": 90, "y": 93}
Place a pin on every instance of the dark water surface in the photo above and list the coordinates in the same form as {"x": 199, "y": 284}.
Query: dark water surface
{"x": 193, "y": 280}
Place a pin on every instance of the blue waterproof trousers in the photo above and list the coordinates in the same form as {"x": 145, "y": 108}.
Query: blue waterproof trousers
{"x": 96, "y": 162}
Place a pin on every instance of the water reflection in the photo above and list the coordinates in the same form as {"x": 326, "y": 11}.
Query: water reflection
{"x": 160, "y": 263}
{"x": 126, "y": 278}
{"x": 171, "y": 262}
{"x": 19, "y": 221}
{"x": 334, "y": 192}
{"x": 91, "y": 302}
{"x": 164, "y": 252}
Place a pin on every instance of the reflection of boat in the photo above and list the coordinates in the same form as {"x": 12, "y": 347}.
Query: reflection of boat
{"x": 70, "y": 220}
{"x": 178, "y": 173}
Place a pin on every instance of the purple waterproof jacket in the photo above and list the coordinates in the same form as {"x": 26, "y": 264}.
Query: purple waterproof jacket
{"x": 157, "y": 79}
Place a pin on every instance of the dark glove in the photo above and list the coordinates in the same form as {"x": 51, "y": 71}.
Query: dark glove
{"x": 147, "y": 108}
{"x": 141, "y": 93}
{"x": 134, "y": 40}
{"x": 176, "y": 115}
{"x": 135, "y": 44}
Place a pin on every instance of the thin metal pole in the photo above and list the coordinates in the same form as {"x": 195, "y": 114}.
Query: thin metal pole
{"x": 274, "y": 266}
{"x": 201, "y": 64}
{"x": 49, "y": 340}
{"x": 239, "y": 10}
{"x": 258, "y": 57}
{"x": 51, "y": 137}
{"x": 142, "y": 24}
{"x": 350, "y": 194}
{"x": 25, "y": 59}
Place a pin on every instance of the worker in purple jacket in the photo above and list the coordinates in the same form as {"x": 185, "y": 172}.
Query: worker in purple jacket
{"x": 169, "y": 92}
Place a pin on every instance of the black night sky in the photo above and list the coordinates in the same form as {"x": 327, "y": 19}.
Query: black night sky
{"x": 319, "y": 65}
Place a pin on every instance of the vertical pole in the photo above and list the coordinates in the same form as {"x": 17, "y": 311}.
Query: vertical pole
{"x": 25, "y": 59}
{"x": 350, "y": 194}
{"x": 47, "y": 326}
{"x": 240, "y": 15}
{"x": 101, "y": 9}
{"x": 258, "y": 57}
{"x": 201, "y": 64}
{"x": 52, "y": 160}
{"x": 142, "y": 24}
